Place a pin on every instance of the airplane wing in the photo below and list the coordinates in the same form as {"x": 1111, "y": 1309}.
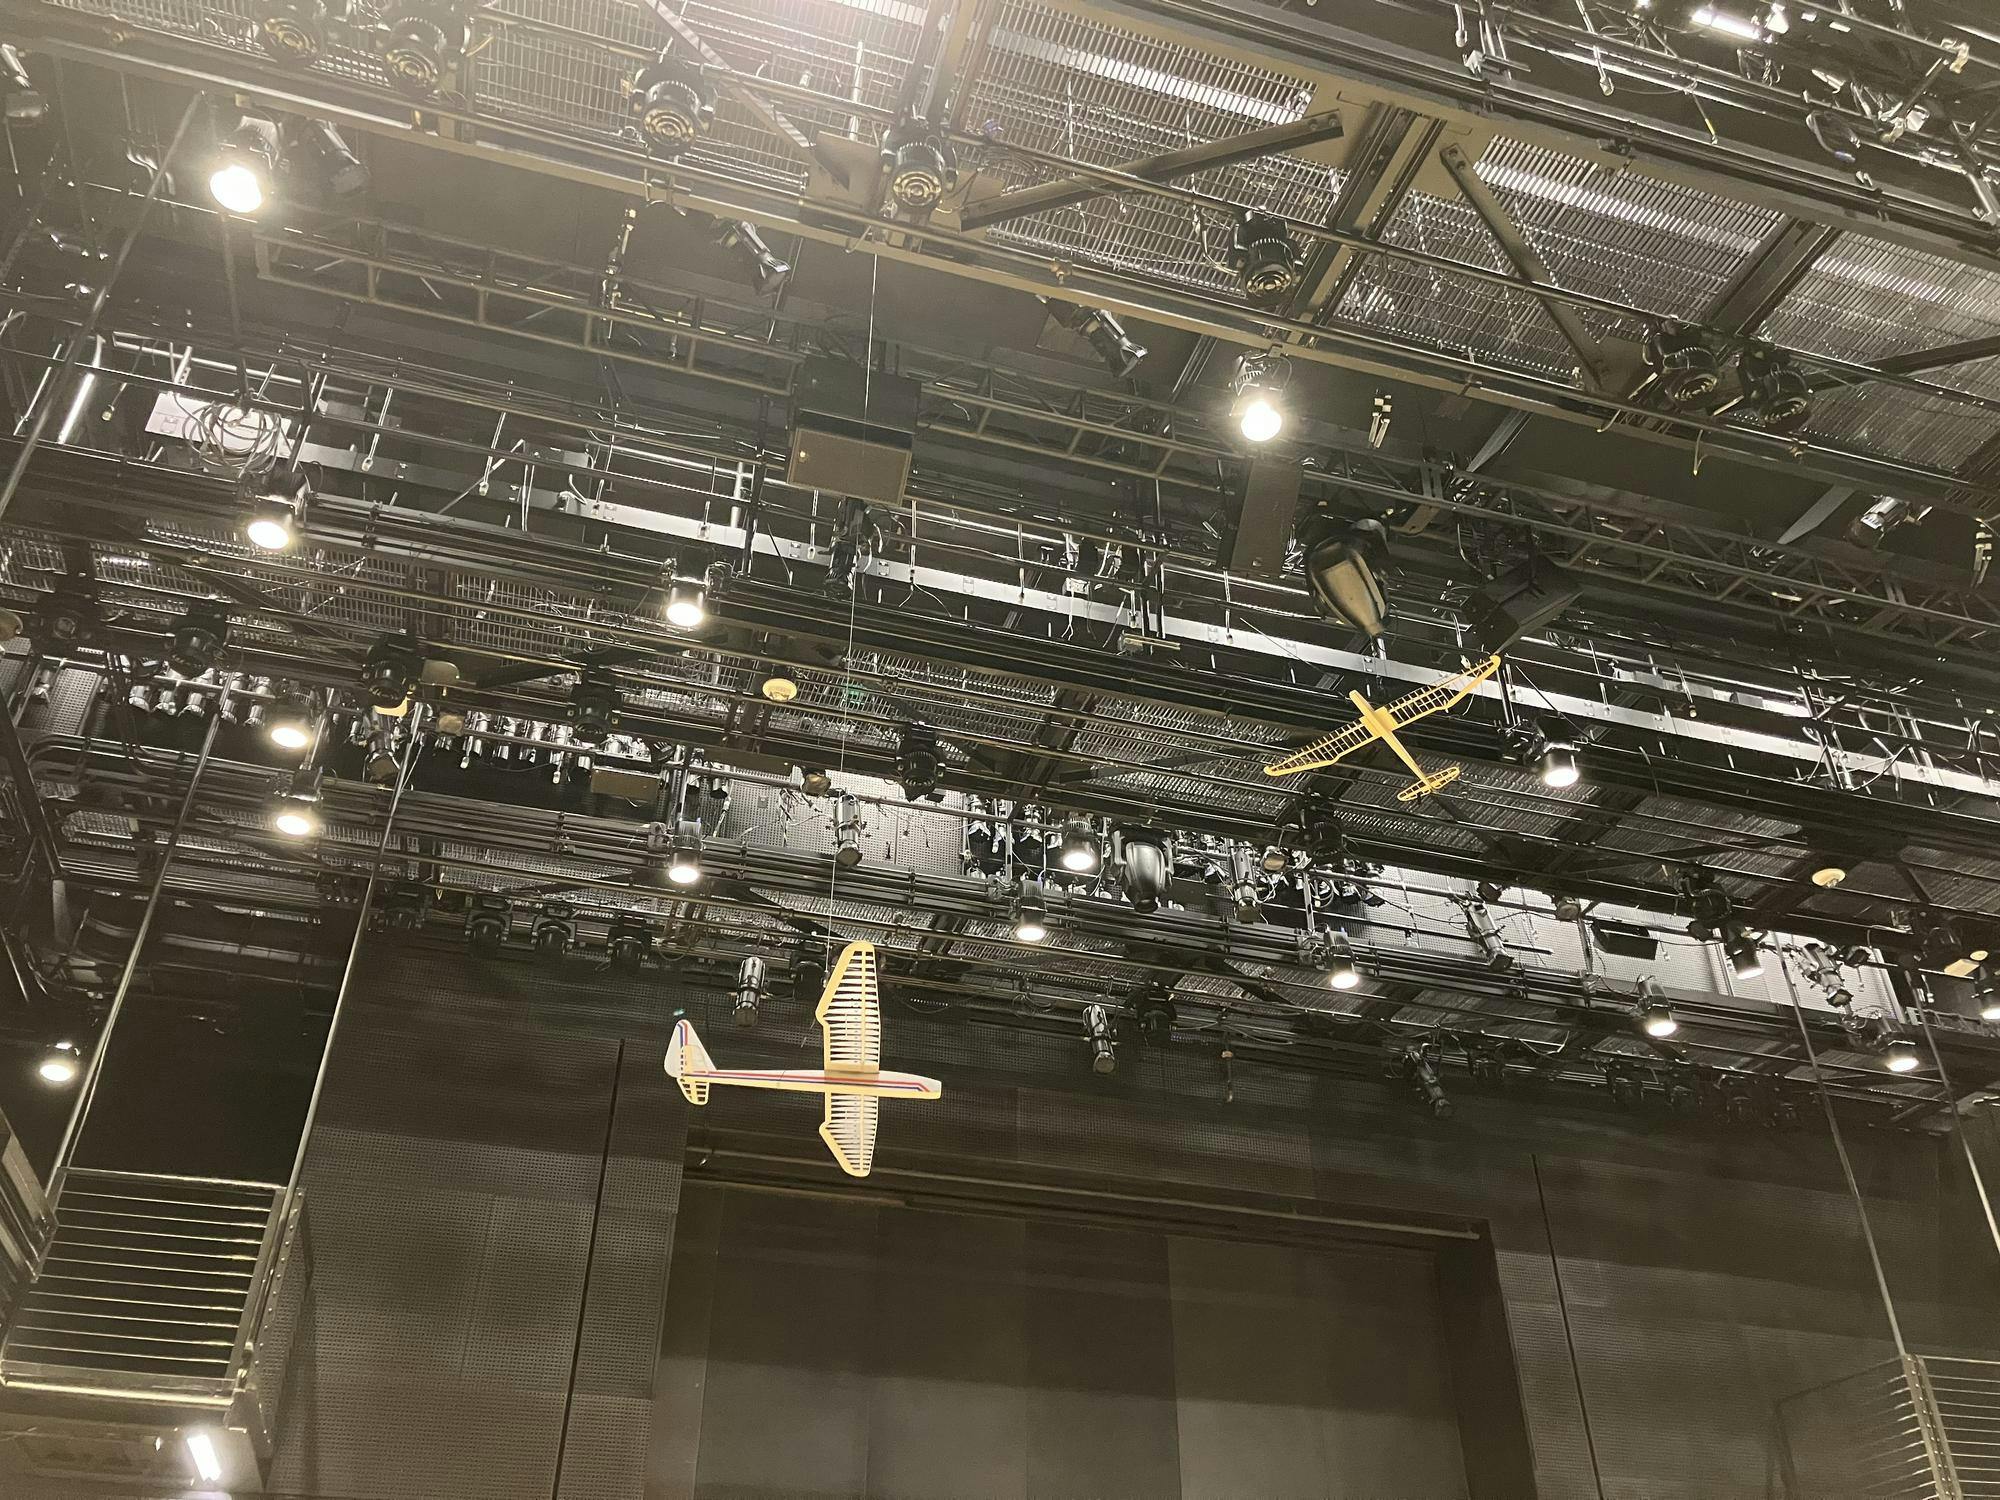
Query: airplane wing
{"x": 1322, "y": 752}
{"x": 1440, "y": 696}
{"x": 850, "y": 1013}
{"x": 849, "y": 1131}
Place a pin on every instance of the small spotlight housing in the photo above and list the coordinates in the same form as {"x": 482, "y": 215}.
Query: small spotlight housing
{"x": 1553, "y": 755}
{"x": 1746, "y": 960}
{"x": 554, "y": 931}
{"x": 684, "y": 857}
{"x": 815, "y": 781}
{"x": 1258, "y": 406}
{"x": 1264, "y": 257}
{"x": 275, "y": 514}
{"x": 291, "y": 721}
{"x": 920, "y": 165}
{"x": 1097, "y": 1034}
{"x": 1103, "y": 332}
{"x": 1775, "y": 395}
{"x": 1030, "y": 913}
{"x": 1338, "y": 964}
{"x": 629, "y": 943}
{"x": 295, "y": 812}
{"x": 488, "y": 923}
{"x": 200, "y": 637}
{"x": 918, "y": 761}
{"x": 1081, "y": 851}
{"x": 847, "y": 831}
{"x": 687, "y": 604}
{"x": 751, "y": 984}
{"x": 242, "y": 178}
{"x": 60, "y": 1064}
{"x": 741, "y": 238}
{"x": 594, "y": 707}
{"x": 418, "y": 42}
{"x": 1900, "y": 1055}
{"x": 672, "y": 103}
{"x": 1683, "y": 364}
{"x": 1654, "y": 1012}
{"x": 291, "y": 31}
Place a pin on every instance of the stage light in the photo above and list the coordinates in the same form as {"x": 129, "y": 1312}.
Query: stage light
{"x": 1479, "y": 926}
{"x": 1728, "y": 23}
{"x": 684, "y": 858}
{"x": 741, "y": 239}
{"x": 1987, "y": 998}
{"x": 673, "y": 104}
{"x": 319, "y": 144}
{"x": 1103, "y": 332}
{"x": 1554, "y": 755}
{"x": 1829, "y": 874}
{"x": 1145, "y": 872}
{"x": 846, "y": 831}
{"x": 418, "y": 41}
{"x": 275, "y": 515}
{"x": 687, "y": 604}
{"x": 1276, "y": 860}
{"x": 246, "y": 160}
{"x": 1030, "y": 913}
{"x": 1097, "y": 1032}
{"x": 295, "y": 813}
{"x": 1267, "y": 263}
{"x": 920, "y": 164}
{"x": 1745, "y": 960}
{"x": 199, "y": 639}
{"x": 594, "y": 707}
{"x": 1080, "y": 851}
{"x": 778, "y": 685}
{"x": 60, "y": 1064}
{"x": 1420, "y": 1067}
{"x": 918, "y": 763}
{"x": 292, "y": 31}
{"x": 815, "y": 781}
{"x": 1654, "y": 1011}
{"x": 291, "y": 721}
{"x": 1259, "y": 394}
{"x": 1900, "y": 1056}
{"x": 808, "y": 971}
{"x": 1683, "y": 364}
{"x": 628, "y": 943}
{"x": 488, "y": 923}
{"x": 1338, "y": 965}
{"x": 1340, "y": 571}
{"x": 750, "y": 986}
{"x": 554, "y": 932}
{"x": 201, "y": 1452}
{"x": 390, "y": 671}
{"x": 1775, "y": 395}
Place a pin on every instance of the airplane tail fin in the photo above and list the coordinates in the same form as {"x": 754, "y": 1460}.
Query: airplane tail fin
{"x": 1432, "y": 782}
{"x": 685, "y": 1054}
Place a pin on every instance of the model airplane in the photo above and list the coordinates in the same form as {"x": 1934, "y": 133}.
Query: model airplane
{"x": 850, "y": 1014}
{"x": 1382, "y": 724}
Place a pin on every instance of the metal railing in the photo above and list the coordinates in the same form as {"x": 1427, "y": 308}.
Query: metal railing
{"x": 177, "y": 1291}
{"x": 1923, "y": 1427}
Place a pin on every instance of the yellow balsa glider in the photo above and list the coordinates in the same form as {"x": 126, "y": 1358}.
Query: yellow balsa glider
{"x": 1382, "y": 724}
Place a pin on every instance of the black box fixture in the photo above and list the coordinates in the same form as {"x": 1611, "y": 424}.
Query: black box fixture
{"x": 852, "y": 430}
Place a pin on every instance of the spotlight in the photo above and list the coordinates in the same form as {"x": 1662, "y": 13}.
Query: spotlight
{"x": 1745, "y": 961}
{"x": 778, "y": 685}
{"x": 1266, "y": 262}
{"x": 276, "y": 513}
{"x": 1030, "y": 913}
{"x": 687, "y": 604}
{"x": 1479, "y": 926}
{"x": 672, "y": 103}
{"x": 808, "y": 971}
{"x": 292, "y": 31}
{"x": 390, "y": 671}
{"x": 845, "y": 554}
{"x": 1626, "y": 1088}
{"x": 1836, "y": 137}
{"x": 24, "y": 102}
{"x": 290, "y": 722}
{"x": 488, "y": 923}
{"x": 1420, "y": 1065}
{"x": 1654, "y": 1011}
{"x": 750, "y": 982}
{"x": 1554, "y": 755}
{"x": 1156, "y": 1013}
{"x": 295, "y": 813}
{"x": 920, "y": 165}
{"x": 1080, "y": 851}
{"x": 1103, "y": 332}
{"x": 594, "y": 707}
{"x": 1775, "y": 395}
{"x": 418, "y": 41}
{"x": 684, "y": 858}
{"x": 918, "y": 763}
{"x": 1884, "y": 515}
{"x": 741, "y": 239}
{"x": 1683, "y": 365}
{"x": 1259, "y": 386}
{"x": 1097, "y": 1032}
{"x": 629, "y": 943}
{"x": 1338, "y": 964}
{"x": 1340, "y": 571}
{"x": 1900, "y": 1056}
{"x": 318, "y": 144}
{"x": 246, "y": 160}
{"x": 1145, "y": 872}
{"x": 815, "y": 781}
{"x": 1276, "y": 860}
{"x": 554, "y": 932}
{"x": 60, "y": 1064}
{"x": 198, "y": 642}
{"x": 1727, "y": 23}
{"x": 847, "y": 831}
{"x": 1987, "y": 998}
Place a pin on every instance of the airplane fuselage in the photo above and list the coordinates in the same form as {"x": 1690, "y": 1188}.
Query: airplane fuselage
{"x": 819, "y": 1081}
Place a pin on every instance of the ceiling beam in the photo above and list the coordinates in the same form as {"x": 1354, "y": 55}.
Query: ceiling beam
{"x": 1768, "y": 276}
{"x": 1231, "y": 151}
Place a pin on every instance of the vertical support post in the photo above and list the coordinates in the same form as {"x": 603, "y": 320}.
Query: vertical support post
{"x": 66, "y": 1152}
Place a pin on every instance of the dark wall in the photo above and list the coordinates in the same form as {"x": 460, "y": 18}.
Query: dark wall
{"x": 506, "y": 1307}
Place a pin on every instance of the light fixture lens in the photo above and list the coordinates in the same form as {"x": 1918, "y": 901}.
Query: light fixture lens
{"x": 684, "y": 867}
{"x": 1030, "y": 930}
{"x": 1558, "y": 767}
{"x": 1081, "y": 859}
{"x": 237, "y": 186}
{"x": 1990, "y": 1011}
{"x": 201, "y": 1453}
{"x": 687, "y": 606}
{"x": 1828, "y": 876}
{"x": 1661, "y": 1024}
{"x": 1260, "y": 420}
{"x": 60, "y": 1066}
{"x": 779, "y": 688}
{"x": 270, "y": 533}
{"x": 291, "y": 734}
{"x": 296, "y": 820}
{"x": 1342, "y": 975}
{"x": 1900, "y": 1057}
